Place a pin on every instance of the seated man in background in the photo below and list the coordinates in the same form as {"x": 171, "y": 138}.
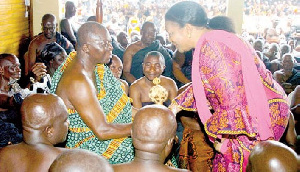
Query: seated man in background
{"x": 48, "y": 35}
{"x": 122, "y": 39}
{"x": 153, "y": 67}
{"x": 11, "y": 97}
{"x": 136, "y": 52}
{"x": 80, "y": 160}
{"x": 45, "y": 123}
{"x": 100, "y": 112}
{"x": 116, "y": 67}
{"x": 269, "y": 156}
{"x": 288, "y": 77}
{"x": 153, "y": 134}
{"x": 67, "y": 25}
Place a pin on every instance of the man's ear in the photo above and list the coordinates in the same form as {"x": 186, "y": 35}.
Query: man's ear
{"x": 1, "y": 70}
{"x": 49, "y": 131}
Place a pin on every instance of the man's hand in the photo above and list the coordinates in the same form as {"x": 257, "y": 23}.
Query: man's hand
{"x": 174, "y": 108}
{"x": 39, "y": 70}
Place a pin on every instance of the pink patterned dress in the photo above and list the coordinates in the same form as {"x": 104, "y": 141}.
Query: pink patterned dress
{"x": 248, "y": 104}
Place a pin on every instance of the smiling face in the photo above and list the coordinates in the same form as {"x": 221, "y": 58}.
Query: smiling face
{"x": 177, "y": 36}
{"x": 10, "y": 68}
{"x": 153, "y": 67}
{"x": 59, "y": 59}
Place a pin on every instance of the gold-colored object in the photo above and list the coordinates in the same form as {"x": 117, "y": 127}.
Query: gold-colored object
{"x": 158, "y": 94}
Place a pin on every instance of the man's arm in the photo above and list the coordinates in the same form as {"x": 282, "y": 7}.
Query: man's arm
{"x": 30, "y": 60}
{"x": 172, "y": 89}
{"x": 67, "y": 28}
{"x": 127, "y": 60}
{"x": 135, "y": 95}
{"x": 82, "y": 95}
{"x": 178, "y": 61}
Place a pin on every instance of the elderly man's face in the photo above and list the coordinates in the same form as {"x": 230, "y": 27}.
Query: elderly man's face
{"x": 49, "y": 28}
{"x": 10, "y": 68}
{"x": 148, "y": 34}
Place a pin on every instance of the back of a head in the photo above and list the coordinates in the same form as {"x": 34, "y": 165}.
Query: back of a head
{"x": 50, "y": 51}
{"x": 153, "y": 126}
{"x": 80, "y": 160}
{"x": 222, "y": 23}
{"x": 39, "y": 109}
{"x": 272, "y": 156}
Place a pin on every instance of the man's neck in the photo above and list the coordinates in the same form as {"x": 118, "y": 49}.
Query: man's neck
{"x": 34, "y": 137}
{"x": 143, "y": 157}
{"x": 86, "y": 63}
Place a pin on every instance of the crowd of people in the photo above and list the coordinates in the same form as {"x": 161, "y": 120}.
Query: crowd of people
{"x": 203, "y": 98}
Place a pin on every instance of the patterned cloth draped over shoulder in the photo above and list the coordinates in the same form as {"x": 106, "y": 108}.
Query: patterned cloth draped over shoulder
{"x": 223, "y": 68}
{"x": 117, "y": 108}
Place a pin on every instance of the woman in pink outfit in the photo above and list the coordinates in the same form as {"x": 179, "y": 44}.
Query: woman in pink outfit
{"x": 237, "y": 99}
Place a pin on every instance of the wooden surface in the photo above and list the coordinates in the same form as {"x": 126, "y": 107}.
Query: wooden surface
{"x": 14, "y": 26}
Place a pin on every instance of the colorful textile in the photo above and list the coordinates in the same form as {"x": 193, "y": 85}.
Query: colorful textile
{"x": 138, "y": 59}
{"x": 249, "y": 105}
{"x": 10, "y": 127}
{"x": 116, "y": 106}
{"x": 195, "y": 154}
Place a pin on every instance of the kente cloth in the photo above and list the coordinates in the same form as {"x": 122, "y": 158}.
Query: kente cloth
{"x": 138, "y": 59}
{"x": 295, "y": 78}
{"x": 64, "y": 43}
{"x": 10, "y": 127}
{"x": 115, "y": 105}
{"x": 229, "y": 78}
{"x": 194, "y": 153}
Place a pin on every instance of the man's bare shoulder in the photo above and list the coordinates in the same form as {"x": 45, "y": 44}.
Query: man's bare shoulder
{"x": 133, "y": 48}
{"x": 12, "y": 151}
{"x": 167, "y": 80}
{"x": 138, "y": 83}
{"x": 37, "y": 40}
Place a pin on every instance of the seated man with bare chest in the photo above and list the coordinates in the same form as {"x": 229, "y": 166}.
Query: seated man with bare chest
{"x": 100, "y": 112}
{"x": 153, "y": 67}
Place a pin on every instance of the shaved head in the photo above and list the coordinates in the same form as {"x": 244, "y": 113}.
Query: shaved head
{"x": 47, "y": 17}
{"x": 153, "y": 126}
{"x": 88, "y": 31}
{"x": 39, "y": 110}
{"x": 80, "y": 160}
{"x": 270, "y": 156}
